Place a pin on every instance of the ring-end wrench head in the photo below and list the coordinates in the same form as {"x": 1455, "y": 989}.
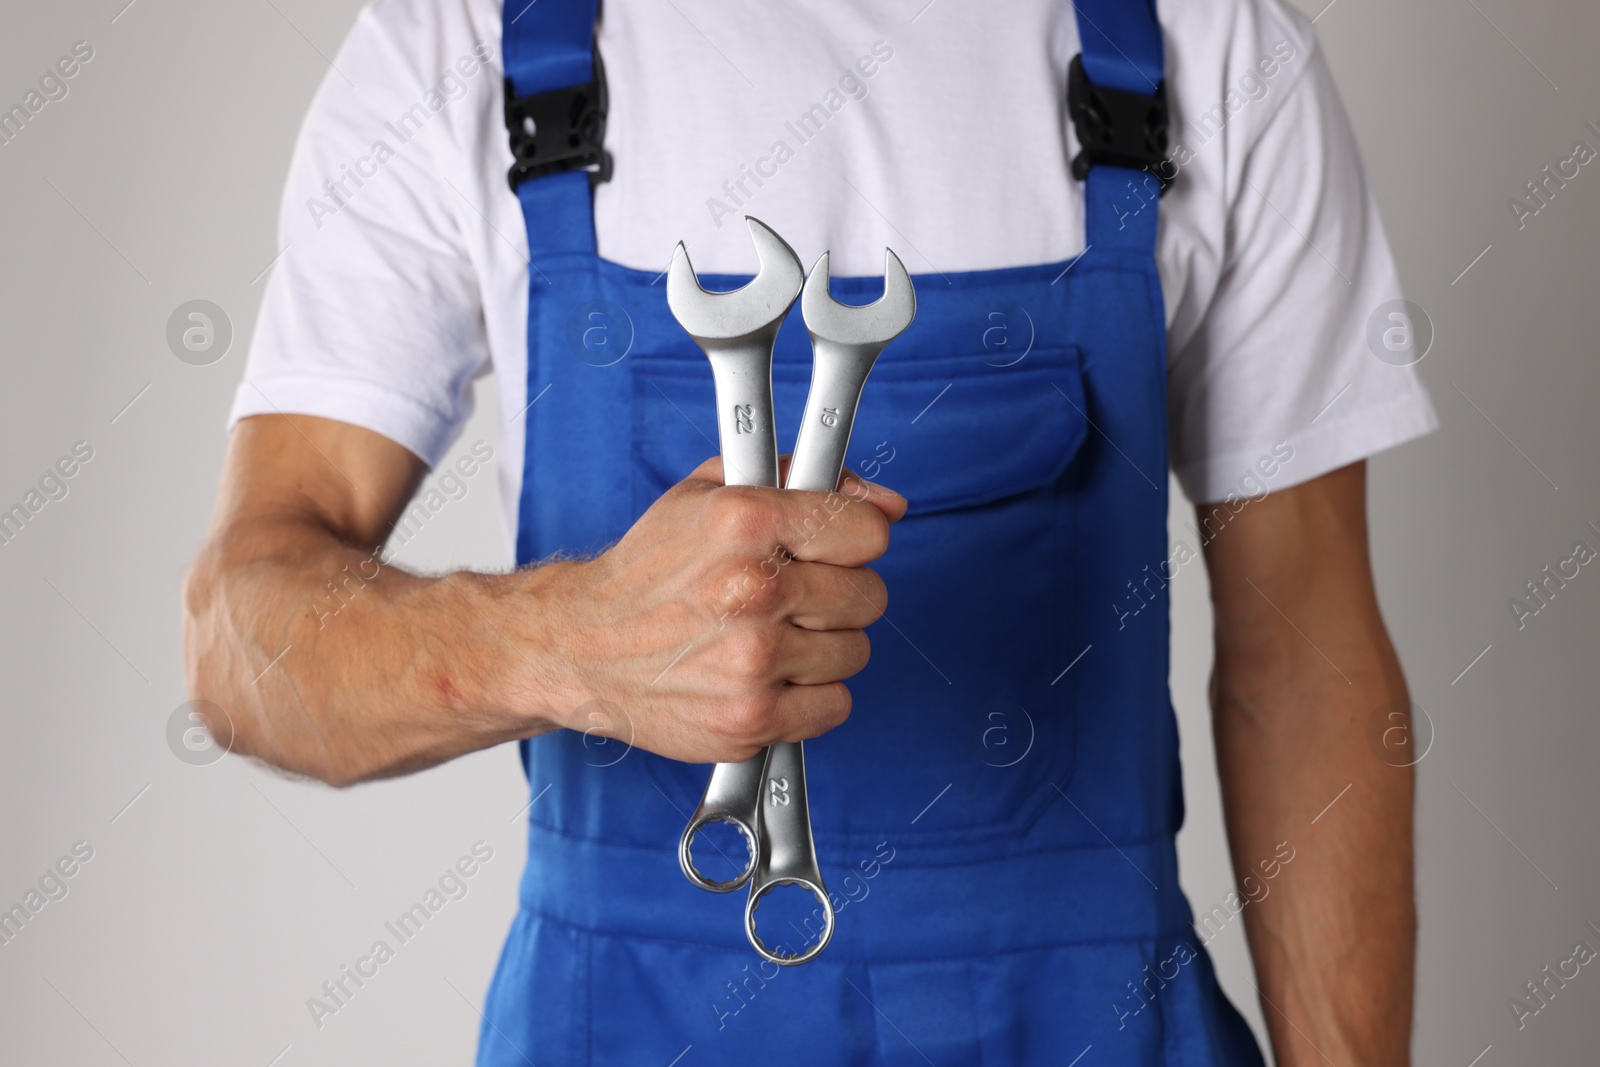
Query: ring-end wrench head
{"x": 808, "y": 954}
{"x": 686, "y": 856}
{"x": 758, "y": 306}
{"x": 876, "y": 323}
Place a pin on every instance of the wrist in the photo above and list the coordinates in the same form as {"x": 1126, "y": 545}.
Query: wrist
{"x": 523, "y": 649}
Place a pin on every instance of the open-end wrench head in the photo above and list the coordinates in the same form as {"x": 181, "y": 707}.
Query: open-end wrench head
{"x": 744, "y": 312}
{"x": 876, "y": 323}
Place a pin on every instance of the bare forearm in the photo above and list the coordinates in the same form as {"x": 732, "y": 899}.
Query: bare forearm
{"x": 332, "y": 663}
{"x": 1333, "y": 941}
{"x": 1305, "y": 678}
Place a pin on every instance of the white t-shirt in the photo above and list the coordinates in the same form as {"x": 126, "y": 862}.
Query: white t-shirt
{"x": 405, "y": 271}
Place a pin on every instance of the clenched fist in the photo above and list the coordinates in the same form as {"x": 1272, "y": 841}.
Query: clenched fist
{"x": 725, "y": 620}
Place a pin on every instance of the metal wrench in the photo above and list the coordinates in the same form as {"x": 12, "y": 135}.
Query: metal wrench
{"x": 845, "y": 342}
{"x": 736, "y": 331}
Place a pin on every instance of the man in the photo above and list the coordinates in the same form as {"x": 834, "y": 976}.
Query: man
{"x": 1001, "y": 777}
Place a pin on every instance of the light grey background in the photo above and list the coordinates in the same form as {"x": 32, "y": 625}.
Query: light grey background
{"x": 219, "y": 898}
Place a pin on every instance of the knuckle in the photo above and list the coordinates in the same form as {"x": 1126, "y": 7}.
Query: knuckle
{"x": 748, "y": 722}
{"x": 731, "y": 587}
{"x": 836, "y": 706}
{"x": 765, "y": 592}
{"x": 876, "y": 534}
{"x": 749, "y": 655}
{"x": 737, "y": 752}
{"x": 850, "y": 655}
{"x": 806, "y": 526}
{"x": 858, "y": 651}
{"x": 766, "y": 600}
{"x": 876, "y": 591}
{"x": 738, "y": 516}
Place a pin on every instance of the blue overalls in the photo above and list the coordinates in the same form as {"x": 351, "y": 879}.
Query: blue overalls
{"x": 996, "y": 819}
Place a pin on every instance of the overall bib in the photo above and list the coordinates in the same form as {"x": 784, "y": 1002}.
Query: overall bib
{"x": 996, "y": 819}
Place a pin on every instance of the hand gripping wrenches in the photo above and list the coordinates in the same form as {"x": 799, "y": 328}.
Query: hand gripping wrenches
{"x": 765, "y": 797}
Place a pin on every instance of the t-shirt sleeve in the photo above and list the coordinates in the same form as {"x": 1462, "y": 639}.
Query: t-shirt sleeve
{"x": 1281, "y": 374}
{"x": 373, "y": 314}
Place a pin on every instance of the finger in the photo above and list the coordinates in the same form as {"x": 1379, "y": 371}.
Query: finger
{"x": 829, "y": 528}
{"x": 890, "y": 503}
{"x": 812, "y": 710}
{"x": 819, "y": 596}
{"x": 815, "y": 657}
{"x": 886, "y": 500}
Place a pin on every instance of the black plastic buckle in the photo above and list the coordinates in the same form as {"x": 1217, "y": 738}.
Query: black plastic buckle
{"x": 1117, "y": 128}
{"x": 559, "y": 130}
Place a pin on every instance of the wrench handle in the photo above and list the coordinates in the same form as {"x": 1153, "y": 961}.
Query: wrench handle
{"x": 746, "y": 428}
{"x": 838, "y": 374}
{"x": 786, "y": 853}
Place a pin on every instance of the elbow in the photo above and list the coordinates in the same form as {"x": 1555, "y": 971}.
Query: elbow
{"x": 336, "y": 772}
{"x": 210, "y": 695}
{"x": 238, "y": 702}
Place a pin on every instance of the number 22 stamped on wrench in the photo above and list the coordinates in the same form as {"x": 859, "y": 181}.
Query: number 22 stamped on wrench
{"x": 765, "y": 797}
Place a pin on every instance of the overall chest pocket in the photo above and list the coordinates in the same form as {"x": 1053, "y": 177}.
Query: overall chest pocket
{"x": 959, "y": 691}
{"x": 947, "y": 433}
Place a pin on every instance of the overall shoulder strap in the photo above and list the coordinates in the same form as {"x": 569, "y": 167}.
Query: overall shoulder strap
{"x": 1121, "y": 43}
{"x": 1118, "y": 102}
{"x": 555, "y": 118}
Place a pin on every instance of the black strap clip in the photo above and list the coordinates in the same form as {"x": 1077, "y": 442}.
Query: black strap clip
{"x": 559, "y": 130}
{"x": 1117, "y": 128}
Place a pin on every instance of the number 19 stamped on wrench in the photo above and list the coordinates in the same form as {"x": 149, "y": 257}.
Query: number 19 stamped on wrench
{"x": 764, "y": 797}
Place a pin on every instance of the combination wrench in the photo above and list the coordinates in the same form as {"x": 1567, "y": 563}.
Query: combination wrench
{"x": 845, "y": 343}
{"x": 737, "y": 331}
{"x": 765, "y": 797}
